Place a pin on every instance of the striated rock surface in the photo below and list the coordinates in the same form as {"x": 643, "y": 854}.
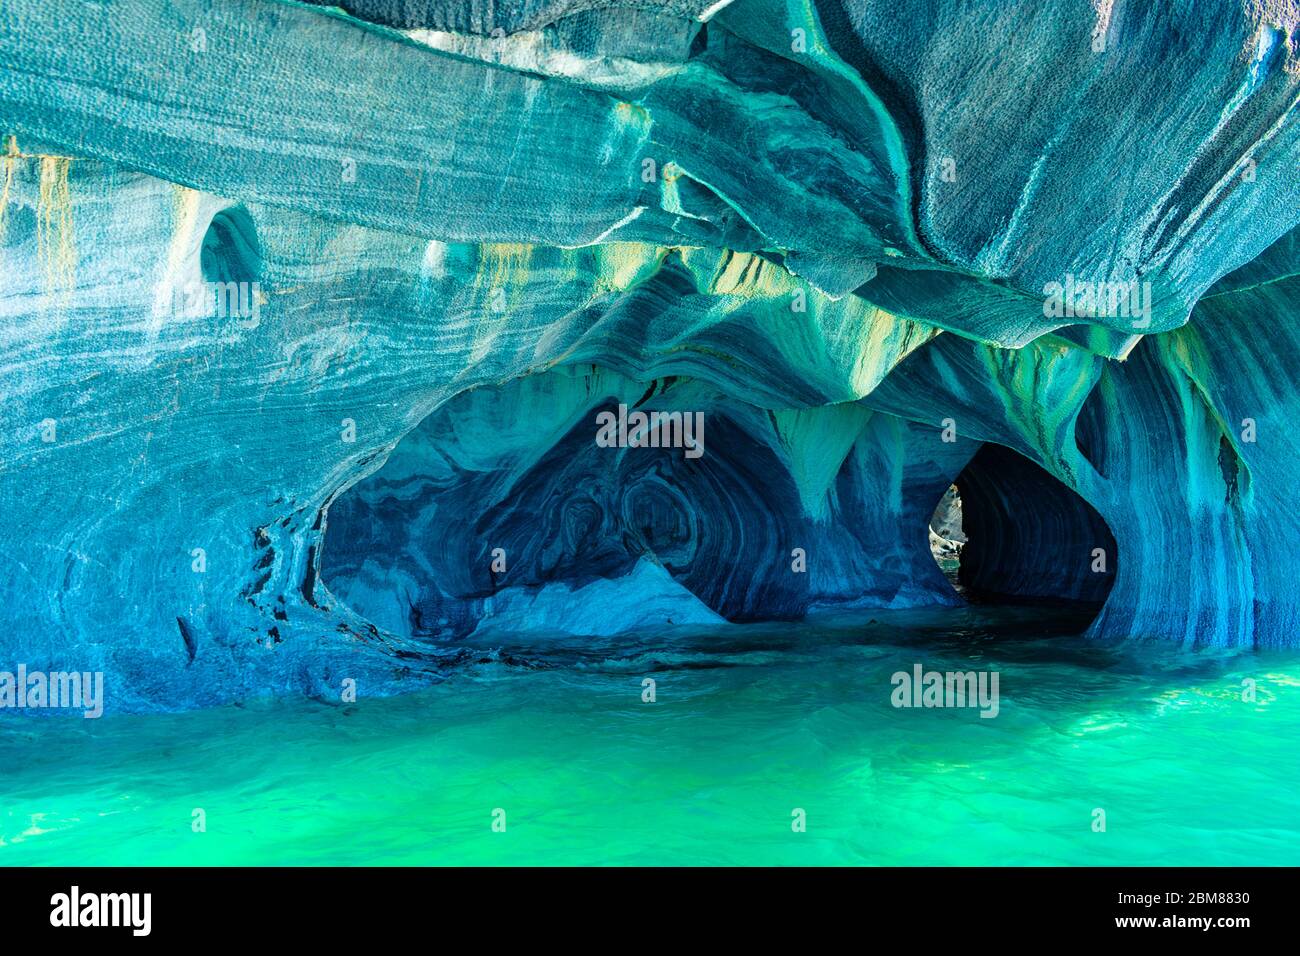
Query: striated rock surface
{"x": 881, "y": 248}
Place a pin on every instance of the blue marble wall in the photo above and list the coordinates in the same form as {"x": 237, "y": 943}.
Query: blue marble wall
{"x": 830, "y": 226}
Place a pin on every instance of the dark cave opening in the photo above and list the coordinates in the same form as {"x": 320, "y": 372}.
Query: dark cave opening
{"x": 505, "y": 507}
{"x": 505, "y": 504}
{"x": 231, "y": 251}
{"x": 1009, "y": 532}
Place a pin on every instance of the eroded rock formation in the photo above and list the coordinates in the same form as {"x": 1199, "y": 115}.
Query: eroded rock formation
{"x": 833, "y": 228}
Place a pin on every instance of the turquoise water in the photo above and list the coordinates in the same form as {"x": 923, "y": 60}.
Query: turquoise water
{"x": 749, "y": 724}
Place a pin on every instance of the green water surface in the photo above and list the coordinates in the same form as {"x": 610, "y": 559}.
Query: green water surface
{"x": 750, "y": 723}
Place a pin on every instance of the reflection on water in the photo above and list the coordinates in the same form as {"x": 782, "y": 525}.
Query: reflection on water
{"x": 749, "y": 723}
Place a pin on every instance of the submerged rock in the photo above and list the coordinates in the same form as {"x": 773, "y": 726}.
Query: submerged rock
{"x": 306, "y": 312}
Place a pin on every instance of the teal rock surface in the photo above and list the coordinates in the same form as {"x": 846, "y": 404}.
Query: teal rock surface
{"x": 310, "y": 314}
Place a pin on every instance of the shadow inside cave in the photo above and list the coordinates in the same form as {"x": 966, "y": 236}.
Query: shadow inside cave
{"x": 1007, "y": 532}
{"x": 504, "y": 513}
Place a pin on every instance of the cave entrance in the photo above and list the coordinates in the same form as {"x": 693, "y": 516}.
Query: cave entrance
{"x": 508, "y": 508}
{"x": 1009, "y": 532}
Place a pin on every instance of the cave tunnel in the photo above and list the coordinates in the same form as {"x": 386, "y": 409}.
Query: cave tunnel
{"x": 502, "y": 507}
{"x": 1007, "y": 531}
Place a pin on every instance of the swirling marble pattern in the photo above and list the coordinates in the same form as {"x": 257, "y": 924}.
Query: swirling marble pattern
{"x": 783, "y": 510}
{"x": 829, "y": 226}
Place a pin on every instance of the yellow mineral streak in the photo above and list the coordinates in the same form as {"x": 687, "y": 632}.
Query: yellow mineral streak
{"x": 54, "y": 238}
{"x": 10, "y": 159}
{"x": 502, "y": 265}
{"x": 749, "y": 274}
{"x": 623, "y": 265}
{"x": 886, "y": 339}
